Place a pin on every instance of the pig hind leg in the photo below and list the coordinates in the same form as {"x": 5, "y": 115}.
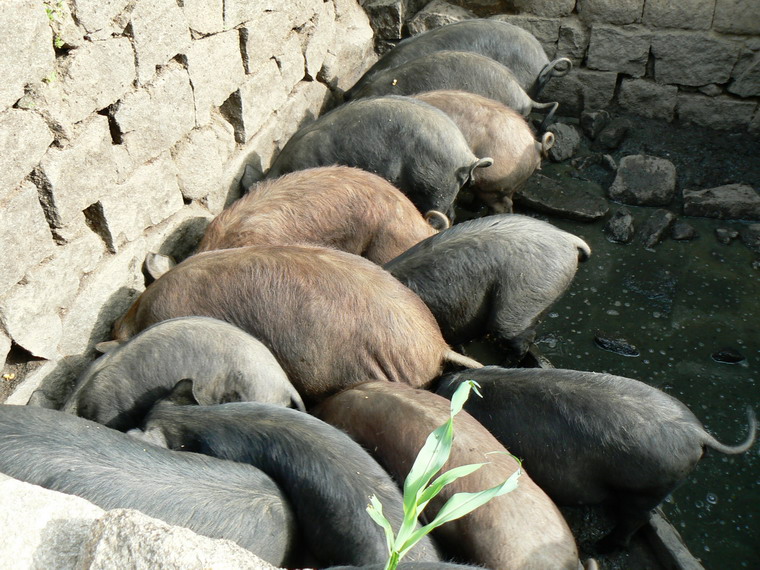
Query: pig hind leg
{"x": 632, "y": 510}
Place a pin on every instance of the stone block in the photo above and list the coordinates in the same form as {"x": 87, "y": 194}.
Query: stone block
{"x": 648, "y": 99}
{"x": 567, "y": 141}
{"x": 204, "y": 16}
{"x": 623, "y": 50}
{"x": 298, "y": 12}
{"x": 737, "y": 17}
{"x": 745, "y": 77}
{"x": 42, "y": 528}
{"x": 729, "y": 202}
{"x": 692, "y": 58}
{"x": 32, "y": 309}
{"x": 5, "y": 346}
{"x": 99, "y": 15}
{"x": 644, "y": 180}
{"x": 436, "y": 14}
{"x": 151, "y": 120}
{"x": 610, "y": 11}
{"x": 24, "y": 139}
{"x": 25, "y": 238}
{"x": 125, "y": 538}
{"x": 720, "y": 113}
{"x": 215, "y": 66}
{"x": 316, "y": 36}
{"x": 73, "y": 177}
{"x": 88, "y": 79}
{"x": 249, "y": 107}
{"x": 200, "y": 159}
{"x": 684, "y": 15}
{"x": 346, "y": 60}
{"x": 262, "y": 38}
{"x": 573, "y": 40}
{"x": 545, "y": 8}
{"x": 147, "y": 198}
{"x": 238, "y": 12}
{"x": 26, "y": 49}
{"x": 546, "y": 30}
{"x": 291, "y": 61}
{"x": 160, "y": 31}
{"x": 581, "y": 90}
{"x": 386, "y": 17}
{"x": 66, "y": 33}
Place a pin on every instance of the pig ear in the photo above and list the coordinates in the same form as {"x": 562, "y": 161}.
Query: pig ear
{"x": 182, "y": 394}
{"x": 107, "y": 346}
{"x": 438, "y": 220}
{"x": 157, "y": 264}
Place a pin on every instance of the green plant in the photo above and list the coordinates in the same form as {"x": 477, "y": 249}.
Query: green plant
{"x": 418, "y": 489}
{"x": 55, "y": 14}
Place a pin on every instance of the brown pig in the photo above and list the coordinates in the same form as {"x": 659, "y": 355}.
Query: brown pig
{"x": 519, "y": 530}
{"x": 333, "y": 206}
{"x": 332, "y": 319}
{"x": 493, "y": 129}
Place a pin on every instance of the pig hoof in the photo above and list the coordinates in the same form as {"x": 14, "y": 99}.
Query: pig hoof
{"x": 608, "y": 544}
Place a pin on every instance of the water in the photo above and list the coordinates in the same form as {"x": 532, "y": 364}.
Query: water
{"x": 678, "y": 305}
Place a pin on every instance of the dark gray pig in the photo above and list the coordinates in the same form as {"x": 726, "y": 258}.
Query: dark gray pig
{"x": 588, "y": 437}
{"x": 226, "y": 364}
{"x": 413, "y": 145}
{"x": 456, "y": 70}
{"x": 496, "y": 275}
{"x": 331, "y": 318}
{"x": 408, "y": 566}
{"x": 327, "y": 477}
{"x": 334, "y": 206}
{"x": 506, "y": 43}
{"x": 493, "y": 129}
{"x": 520, "y": 530}
{"x": 215, "y": 498}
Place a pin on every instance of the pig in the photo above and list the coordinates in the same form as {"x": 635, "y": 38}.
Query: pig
{"x": 589, "y": 437}
{"x": 327, "y": 477}
{"x": 506, "y": 43}
{"x": 413, "y": 145}
{"x": 215, "y": 498}
{"x": 518, "y": 530}
{"x": 331, "y": 318}
{"x": 498, "y": 274}
{"x": 333, "y": 206}
{"x": 493, "y": 129}
{"x": 456, "y": 70}
{"x": 408, "y": 566}
{"x": 226, "y": 364}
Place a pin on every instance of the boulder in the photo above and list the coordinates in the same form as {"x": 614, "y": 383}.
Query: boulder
{"x": 566, "y": 143}
{"x": 729, "y": 202}
{"x": 570, "y": 199}
{"x": 655, "y": 227}
{"x": 436, "y": 14}
{"x": 644, "y": 180}
{"x": 619, "y": 228}
{"x": 750, "y": 236}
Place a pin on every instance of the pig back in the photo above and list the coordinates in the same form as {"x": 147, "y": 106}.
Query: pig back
{"x": 331, "y": 319}
{"x": 333, "y": 206}
{"x": 522, "y": 529}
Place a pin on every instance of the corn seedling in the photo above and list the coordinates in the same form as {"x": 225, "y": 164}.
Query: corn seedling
{"x": 418, "y": 489}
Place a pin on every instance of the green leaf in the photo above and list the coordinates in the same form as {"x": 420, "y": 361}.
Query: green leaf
{"x": 444, "y": 479}
{"x": 375, "y": 510}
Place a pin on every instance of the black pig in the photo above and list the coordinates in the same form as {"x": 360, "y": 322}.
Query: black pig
{"x": 588, "y": 437}
{"x": 327, "y": 476}
{"x": 226, "y": 364}
{"x": 215, "y": 498}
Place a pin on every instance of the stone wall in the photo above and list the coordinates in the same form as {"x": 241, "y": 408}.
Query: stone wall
{"x": 693, "y": 61}
{"x": 124, "y": 128}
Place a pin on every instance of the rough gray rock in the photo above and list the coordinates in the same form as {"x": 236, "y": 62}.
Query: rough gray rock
{"x": 692, "y": 58}
{"x": 644, "y": 180}
{"x": 654, "y": 229}
{"x": 564, "y": 199}
{"x": 567, "y": 141}
{"x": 711, "y": 90}
{"x": 750, "y": 236}
{"x": 291, "y": 61}
{"x": 386, "y": 17}
{"x": 153, "y": 119}
{"x": 593, "y": 122}
{"x": 573, "y": 40}
{"x": 623, "y": 50}
{"x": 204, "y": 16}
{"x": 5, "y": 346}
{"x": 24, "y": 139}
{"x": 725, "y": 19}
{"x": 316, "y": 37}
{"x": 24, "y": 233}
{"x": 648, "y": 99}
{"x": 620, "y": 227}
{"x": 686, "y": 14}
{"x": 610, "y": 11}
{"x": 719, "y": 113}
{"x": 99, "y": 15}
{"x": 745, "y": 78}
{"x": 26, "y": 49}
{"x": 726, "y": 235}
{"x": 683, "y": 231}
{"x": 546, "y": 30}
{"x": 215, "y": 67}
{"x": 262, "y": 38}
{"x": 729, "y": 202}
{"x": 581, "y": 90}
{"x": 159, "y": 29}
{"x": 613, "y": 134}
{"x": 546, "y": 8}
{"x": 436, "y": 14}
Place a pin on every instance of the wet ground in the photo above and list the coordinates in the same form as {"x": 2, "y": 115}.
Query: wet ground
{"x": 679, "y": 304}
